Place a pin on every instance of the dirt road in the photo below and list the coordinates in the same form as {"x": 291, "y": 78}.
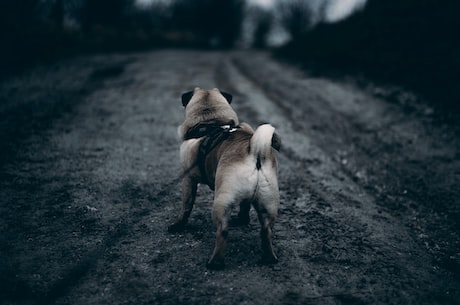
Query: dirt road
{"x": 369, "y": 185}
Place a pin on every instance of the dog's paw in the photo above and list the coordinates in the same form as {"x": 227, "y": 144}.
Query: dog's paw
{"x": 176, "y": 227}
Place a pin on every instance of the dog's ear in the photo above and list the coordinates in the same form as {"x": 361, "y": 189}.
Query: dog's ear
{"x": 186, "y": 97}
{"x": 276, "y": 142}
{"x": 227, "y": 96}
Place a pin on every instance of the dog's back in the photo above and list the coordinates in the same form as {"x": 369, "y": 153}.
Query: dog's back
{"x": 245, "y": 162}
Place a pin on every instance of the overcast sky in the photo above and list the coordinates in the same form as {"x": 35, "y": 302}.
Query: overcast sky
{"x": 343, "y": 8}
{"x": 339, "y": 9}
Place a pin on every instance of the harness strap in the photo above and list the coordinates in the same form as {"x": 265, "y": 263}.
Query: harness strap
{"x": 206, "y": 128}
{"x": 213, "y": 135}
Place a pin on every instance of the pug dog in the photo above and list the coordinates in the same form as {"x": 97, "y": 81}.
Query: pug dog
{"x": 235, "y": 161}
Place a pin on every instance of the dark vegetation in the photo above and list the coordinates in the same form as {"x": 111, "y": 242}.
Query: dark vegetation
{"x": 263, "y": 23}
{"x": 414, "y": 43}
{"x": 34, "y": 30}
{"x": 298, "y": 17}
{"x": 214, "y": 23}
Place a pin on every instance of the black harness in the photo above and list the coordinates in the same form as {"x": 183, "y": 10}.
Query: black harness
{"x": 213, "y": 134}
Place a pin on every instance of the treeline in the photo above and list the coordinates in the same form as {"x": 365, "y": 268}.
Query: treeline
{"x": 32, "y": 30}
{"x": 36, "y": 30}
{"x": 411, "y": 42}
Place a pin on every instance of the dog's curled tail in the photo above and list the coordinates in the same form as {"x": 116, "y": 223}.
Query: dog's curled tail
{"x": 262, "y": 141}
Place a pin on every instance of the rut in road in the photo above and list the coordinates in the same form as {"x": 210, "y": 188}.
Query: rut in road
{"x": 321, "y": 186}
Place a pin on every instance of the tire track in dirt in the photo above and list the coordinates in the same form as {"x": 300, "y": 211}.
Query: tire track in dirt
{"x": 299, "y": 147}
{"x": 28, "y": 163}
{"x": 129, "y": 205}
{"x": 68, "y": 158}
{"x": 386, "y": 241}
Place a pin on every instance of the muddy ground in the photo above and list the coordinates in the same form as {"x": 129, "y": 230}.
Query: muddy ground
{"x": 369, "y": 183}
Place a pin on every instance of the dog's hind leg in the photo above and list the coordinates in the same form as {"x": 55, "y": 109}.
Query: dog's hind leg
{"x": 267, "y": 217}
{"x": 220, "y": 215}
{"x": 268, "y": 254}
{"x": 189, "y": 188}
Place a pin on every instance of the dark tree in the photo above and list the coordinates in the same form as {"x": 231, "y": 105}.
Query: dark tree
{"x": 107, "y": 13}
{"x": 215, "y": 22}
{"x": 414, "y": 43}
{"x": 57, "y": 14}
{"x": 296, "y": 16}
{"x": 16, "y": 14}
{"x": 263, "y": 22}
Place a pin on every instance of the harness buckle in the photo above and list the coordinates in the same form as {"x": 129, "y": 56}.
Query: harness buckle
{"x": 228, "y": 128}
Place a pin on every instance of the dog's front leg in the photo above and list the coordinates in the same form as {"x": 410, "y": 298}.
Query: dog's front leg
{"x": 189, "y": 188}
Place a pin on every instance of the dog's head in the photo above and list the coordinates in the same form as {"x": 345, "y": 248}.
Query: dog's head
{"x": 204, "y": 106}
{"x": 187, "y": 97}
